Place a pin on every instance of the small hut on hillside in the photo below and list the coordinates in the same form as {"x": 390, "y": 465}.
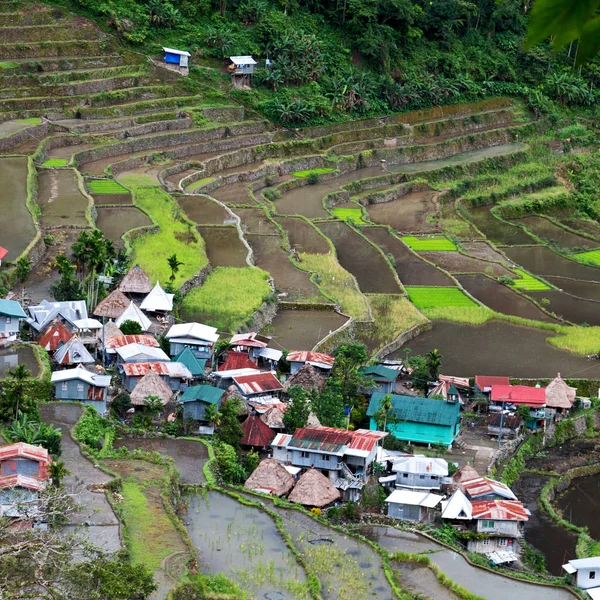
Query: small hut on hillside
{"x": 560, "y": 396}
{"x": 270, "y": 477}
{"x": 314, "y": 489}
{"x": 73, "y": 353}
{"x": 133, "y": 313}
{"x": 158, "y": 300}
{"x": 256, "y": 433}
{"x": 111, "y": 330}
{"x": 113, "y": 306}
{"x": 307, "y": 378}
{"x": 150, "y": 385}
{"x": 273, "y": 418}
{"x": 136, "y": 282}
{"x": 463, "y": 474}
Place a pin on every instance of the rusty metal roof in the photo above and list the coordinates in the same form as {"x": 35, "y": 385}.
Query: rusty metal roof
{"x": 499, "y": 510}
{"x": 237, "y": 360}
{"x": 310, "y": 357}
{"x": 11, "y": 481}
{"x": 321, "y": 439}
{"x": 55, "y": 336}
{"x": 256, "y": 433}
{"x": 118, "y": 341}
{"x": 259, "y": 383}
{"x": 172, "y": 369}
{"x": 481, "y": 486}
{"x": 23, "y": 450}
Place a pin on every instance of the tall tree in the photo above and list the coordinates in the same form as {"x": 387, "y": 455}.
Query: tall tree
{"x": 230, "y": 431}
{"x": 328, "y": 406}
{"x": 348, "y": 357}
{"x": 298, "y": 409}
{"x": 434, "y": 362}
{"x": 174, "y": 265}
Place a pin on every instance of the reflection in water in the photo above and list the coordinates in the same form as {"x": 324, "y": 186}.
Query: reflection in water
{"x": 13, "y": 357}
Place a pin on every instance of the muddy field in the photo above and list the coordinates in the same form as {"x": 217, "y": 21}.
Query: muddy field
{"x": 303, "y": 236}
{"x": 406, "y": 214}
{"x": 60, "y": 199}
{"x": 455, "y": 262}
{"x": 482, "y": 250}
{"x": 224, "y": 247}
{"x": 234, "y": 193}
{"x": 254, "y": 220}
{"x": 497, "y": 231}
{"x": 203, "y": 210}
{"x": 575, "y": 287}
{"x": 115, "y": 221}
{"x": 568, "y": 307}
{"x": 549, "y": 232}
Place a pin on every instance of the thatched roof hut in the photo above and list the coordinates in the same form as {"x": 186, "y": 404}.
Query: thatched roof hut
{"x": 308, "y": 378}
{"x": 150, "y": 385}
{"x": 314, "y": 489}
{"x": 270, "y": 476}
{"x": 136, "y": 282}
{"x": 465, "y": 473}
{"x": 560, "y": 395}
{"x": 313, "y": 421}
{"x": 273, "y": 418}
{"x": 113, "y": 306}
{"x": 111, "y": 330}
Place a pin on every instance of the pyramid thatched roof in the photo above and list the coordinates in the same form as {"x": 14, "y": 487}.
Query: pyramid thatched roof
{"x": 270, "y": 475}
{"x": 273, "y": 418}
{"x": 136, "y": 282}
{"x": 465, "y": 473}
{"x": 150, "y": 385}
{"x": 113, "y": 306}
{"x": 111, "y": 330}
{"x": 314, "y": 489}
{"x": 313, "y": 421}
{"x": 308, "y": 378}
{"x": 559, "y": 394}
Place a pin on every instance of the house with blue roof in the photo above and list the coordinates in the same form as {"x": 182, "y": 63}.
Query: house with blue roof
{"x": 197, "y": 398}
{"x": 384, "y": 378}
{"x": 195, "y": 365}
{"x": 11, "y": 314}
{"x": 418, "y": 420}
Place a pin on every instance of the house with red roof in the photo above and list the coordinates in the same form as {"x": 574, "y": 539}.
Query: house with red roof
{"x": 3, "y": 253}
{"x": 55, "y": 336}
{"x": 257, "y": 385}
{"x": 322, "y": 362}
{"x": 237, "y": 360}
{"x": 512, "y": 396}
{"x": 256, "y": 433}
{"x": 251, "y": 343}
{"x": 484, "y": 383}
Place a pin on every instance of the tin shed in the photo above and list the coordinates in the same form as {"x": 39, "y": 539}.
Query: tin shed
{"x": 176, "y": 57}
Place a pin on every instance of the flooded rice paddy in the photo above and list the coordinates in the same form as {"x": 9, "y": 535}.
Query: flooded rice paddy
{"x": 575, "y": 310}
{"x": 549, "y": 232}
{"x": 482, "y": 250}
{"x": 361, "y": 258}
{"x": 224, "y": 247}
{"x": 254, "y": 220}
{"x": 16, "y": 225}
{"x": 60, "y": 199}
{"x": 203, "y": 210}
{"x": 234, "y": 193}
{"x": 499, "y": 232}
{"x": 576, "y": 287}
{"x": 455, "y": 262}
{"x": 111, "y": 199}
{"x": 406, "y": 214}
{"x": 115, "y": 221}
{"x": 12, "y": 357}
{"x": 302, "y": 329}
{"x": 579, "y": 504}
{"x": 303, "y": 237}
{"x": 512, "y": 350}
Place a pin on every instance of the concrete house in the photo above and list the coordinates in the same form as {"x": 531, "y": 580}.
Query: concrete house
{"x": 585, "y": 574}
{"x": 24, "y": 459}
{"x": 321, "y": 362}
{"x": 200, "y": 339}
{"x": 41, "y": 315}
{"x": 412, "y": 505}
{"x": 419, "y": 420}
{"x": 81, "y": 385}
{"x": 11, "y": 315}
{"x": 174, "y": 374}
{"x": 384, "y": 378}
{"x": 197, "y": 398}
{"x": 420, "y": 471}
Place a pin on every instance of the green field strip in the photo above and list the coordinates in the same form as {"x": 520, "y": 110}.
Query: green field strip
{"x": 429, "y": 244}
{"x": 105, "y": 186}
{"x": 55, "y": 162}
{"x": 198, "y": 184}
{"x": 310, "y": 172}
{"x": 530, "y": 283}
{"x": 353, "y": 215}
{"x": 435, "y": 297}
{"x": 590, "y": 257}
{"x": 30, "y": 121}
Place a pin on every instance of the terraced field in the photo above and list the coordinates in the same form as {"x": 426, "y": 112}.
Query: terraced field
{"x": 451, "y": 216}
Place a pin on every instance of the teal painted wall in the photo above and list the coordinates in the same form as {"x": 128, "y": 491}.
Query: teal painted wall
{"x": 422, "y": 433}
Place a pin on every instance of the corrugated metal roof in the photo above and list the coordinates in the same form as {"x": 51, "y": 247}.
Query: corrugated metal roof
{"x": 202, "y": 393}
{"x": 237, "y": 360}
{"x": 256, "y": 433}
{"x": 242, "y": 60}
{"x": 258, "y": 384}
{"x": 23, "y": 450}
{"x": 118, "y": 341}
{"x": 172, "y": 369}
{"x": 418, "y": 410}
{"x": 519, "y": 394}
{"x": 136, "y": 350}
{"x": 55, "y": 336}
{"x": 11, "y": 481}
{"x": 321, "y": 439}
{"x": 380, "y": 373}
{"x": 282, "y": 440}
{"x": 251, "y": 340}
{"x": 485, "y": 382}
{"x": 11, "y": 308}
{"x": 420, "y": 465}
{"x": 270, "y": 354}
{"x": 481, "y": 486}
{"x": 194, "y": 364}
{"x": 411, "y": 498}
{"x": 317, "y": 358}
{"x": 82, "y": 374}
{"x": 196, "y": 331}
{"x": 499, "y": 510}
{"x": 178, "y": 52}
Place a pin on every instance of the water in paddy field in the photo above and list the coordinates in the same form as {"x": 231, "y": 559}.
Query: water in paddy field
{"x": 115, "y": 221}
{"x": 224, "y": 246}
{"x": 580, "y": 503}
{"x": 12, "y": 357}
{"x": 60, "y": 199}
{"x": 407, "y": 213}
{"x": 203, "y": 210}
{"x": 16, "y": 225}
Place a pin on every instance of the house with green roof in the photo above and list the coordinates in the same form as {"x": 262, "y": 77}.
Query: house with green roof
{"x": 418, "y": 420}
{"x": 192, "y": 362}
{"x": 196, "y": 398}
{"x": 384, "y": 378}
{"x": 11, "y": 314}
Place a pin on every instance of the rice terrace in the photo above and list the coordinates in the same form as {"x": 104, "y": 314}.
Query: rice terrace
{"x": 327, "y": 190}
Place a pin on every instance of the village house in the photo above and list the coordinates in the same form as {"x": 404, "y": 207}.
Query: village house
{"x": 174, "y": 374}
{"x": 24, "y": 459}
{"x": 251, "y": 343}
{"x": 136, "y": 353}
{"x": 113, "y": 342}
{"x": 134, "y": 313}
{"x": 505, "y": 426}
{"x": 224, "y": 379}
{"x": 560, "y": 397}
{"x": 383, "y": 378}
{"x": 81, "y": 385}
{"x": 258, "y": 385}
{"x": 55, "y": 336}
{"x": 418, "y": 471}
{"x": 150, "y": 384}
{"x": 73, "y": 352}
{"x": 585, "y": 574}
{"x": 484, "y": 383}
{"x": 451, "y": 388}
{"x": 237, "y": 360}
{"x": 269, "y": 357}
{"x": 256, "y": 433}
{"x": 321, "y": 362}
{"x": 484, "y": 488}
{"x": 113, "y": 306}
{"x": 158, "y": 301}
{"x": 3, "y": 253}
{"x": 197, "y": 398}
{"x": 11, "y": 315}
{"x": 42, "y": 314}
{"x": 419, "y": 420}
{"x": 136, "y": 283}
{"x": 413, "y": 506}
{"x": 510, "y": 397}
{"x": 200, "y": 339}
{"x": 270, "y": 477}
{"x": 196, "y": 366}
{"x": 179, "y": 58}
{"x": 314, "y": 489}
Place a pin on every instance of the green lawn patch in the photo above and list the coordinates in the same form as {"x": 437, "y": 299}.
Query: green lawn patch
{"x": 349, "y": 214}
{"x": 310, "y": 172}
{"x": 105, "y": 186}
{"x": 137, "y": 179}
{"x": 592, "y": 257}
{"x": 228, "y": 298}
{"x": 433, "y": 297}
{"x": 177, "y": 236}
{"x": 56, "y": 162}
{"x": 429, "y": 244}
{"x": 199, "y": 183}
{"x": 529, "y": 283}
{"x": 30, "y": 121}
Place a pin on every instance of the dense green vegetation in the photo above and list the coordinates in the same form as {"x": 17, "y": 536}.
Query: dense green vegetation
{"x": 529, "y": 283}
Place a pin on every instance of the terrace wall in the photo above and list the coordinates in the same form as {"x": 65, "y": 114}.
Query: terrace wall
{"x": 9, "y": 142}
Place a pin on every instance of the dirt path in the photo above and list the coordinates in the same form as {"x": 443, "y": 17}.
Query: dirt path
{"x": 96, "y": 519}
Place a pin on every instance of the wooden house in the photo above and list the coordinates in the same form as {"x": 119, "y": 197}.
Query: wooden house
{"x": 585, "y": 574}
{"x": 195, "y": 365}
{"x": 200, "y": 339}
{"x": 81, "y": 385}
{"x": 505, "y": 426}
{"x": 269, "y": 358}
{"x": 24, "y": 459}
{"x": 174, "y": 374}
{"x": 197, "y": 398}
{"x": 11, "y": 315}
{"x": 560, "y": 397}
{"x": 270, "y": 477}
{"x": 178, "y": 58}
{"x": 136, "y": 353}
{"x": 55, "y": 336}
{"x": 314, "y": 489}
{"x": 237, "y": 360}
{"x": 258, "y": 385}
{"x": 308, "y": 378}
{"x": 383, "y": 378}
{"x": 419, "y": 471}
{"x": 320, "y": 361}
{"x": 241, "y": 69}
{"x": 419, "y": 420}
{"x": 415, "y": 506}
{"x": 113, "y": 306}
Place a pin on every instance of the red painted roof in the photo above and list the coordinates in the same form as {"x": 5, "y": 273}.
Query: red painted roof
{"x": 23, "y": 450}
{"x": 11, "y": 481}
{"x": 256, "y": 433}
{"x": 118, "y": 341}
{"x": 3, "y": 252}
{"x": 55, "y": 336}
{"x": 365, "y": 439}
{"x": 330, "y": 439}
{"x": 499, "y": 510}
{"x": 481, "y": 486}
{"x": 485, "y": 381}
{"x": 258, "y": 383}
{"x": 312, "y": 357}
{"x": 519, "y": 394}
{"x": 237, "y": 360}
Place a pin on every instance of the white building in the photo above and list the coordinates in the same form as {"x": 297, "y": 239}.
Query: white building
{"x": 418, "y": 471}
{"x": 585, "y": 573}
{"x": 412, "y": 505}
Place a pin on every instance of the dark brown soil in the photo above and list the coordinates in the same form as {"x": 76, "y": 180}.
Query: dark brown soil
{"x": 482, "y": 250}
{"x": 223, "y": 246}
{"x": 201, "y": 210}
{"x": 303, "y": 236}
{"x": 455, "y": 262}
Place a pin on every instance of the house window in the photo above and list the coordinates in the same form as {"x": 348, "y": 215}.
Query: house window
{"x": 404, "y": 474}
{"x": 65, "y": 386}
{"x": 80, "y": 387}
{"x": 592, "y": 574}
{"x": 502, "y": 542}
{"x": 8, "y": 320}
{"x": 486, "y": 542}
{"x": 421, "y": 476}
{"x": 487, "y": 524}
{"x": 304, "y": 454}
{"x": 434, "y": 477}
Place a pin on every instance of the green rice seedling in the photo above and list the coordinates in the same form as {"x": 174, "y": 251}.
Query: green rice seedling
{"x": 591, "y": 257}
{"x": 310, "y": 172}
{"x": 199, "y": 183}
{"x": 55, "y": 162}
{"x": 353, "y": 215}
{"x": 105, "y": 186}
{"x": 429, "y": 244}
{"x": 433, "y": 297}
{"x": 529, "y": 283}
{"x": 30, "y": 120}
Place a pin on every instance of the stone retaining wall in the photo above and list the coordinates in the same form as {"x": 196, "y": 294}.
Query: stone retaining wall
{"x": 412, "y": 333}
{"x": 11, "y": 141}
{"x": 196, "y": 280}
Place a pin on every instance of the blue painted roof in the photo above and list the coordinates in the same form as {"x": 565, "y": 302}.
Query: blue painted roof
{"x": 194, "y": 364}
{"x": 11, "y": 308}
{"x": 418, "y": 410}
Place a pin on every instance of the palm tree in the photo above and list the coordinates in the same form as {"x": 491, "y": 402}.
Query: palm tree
{"x": 211, "y": 414}
{"x": 57, "y": 470}
{"x": 434, "y": 361}
{"x": 174, "y": 265}
{"x": 19, "y": 376}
